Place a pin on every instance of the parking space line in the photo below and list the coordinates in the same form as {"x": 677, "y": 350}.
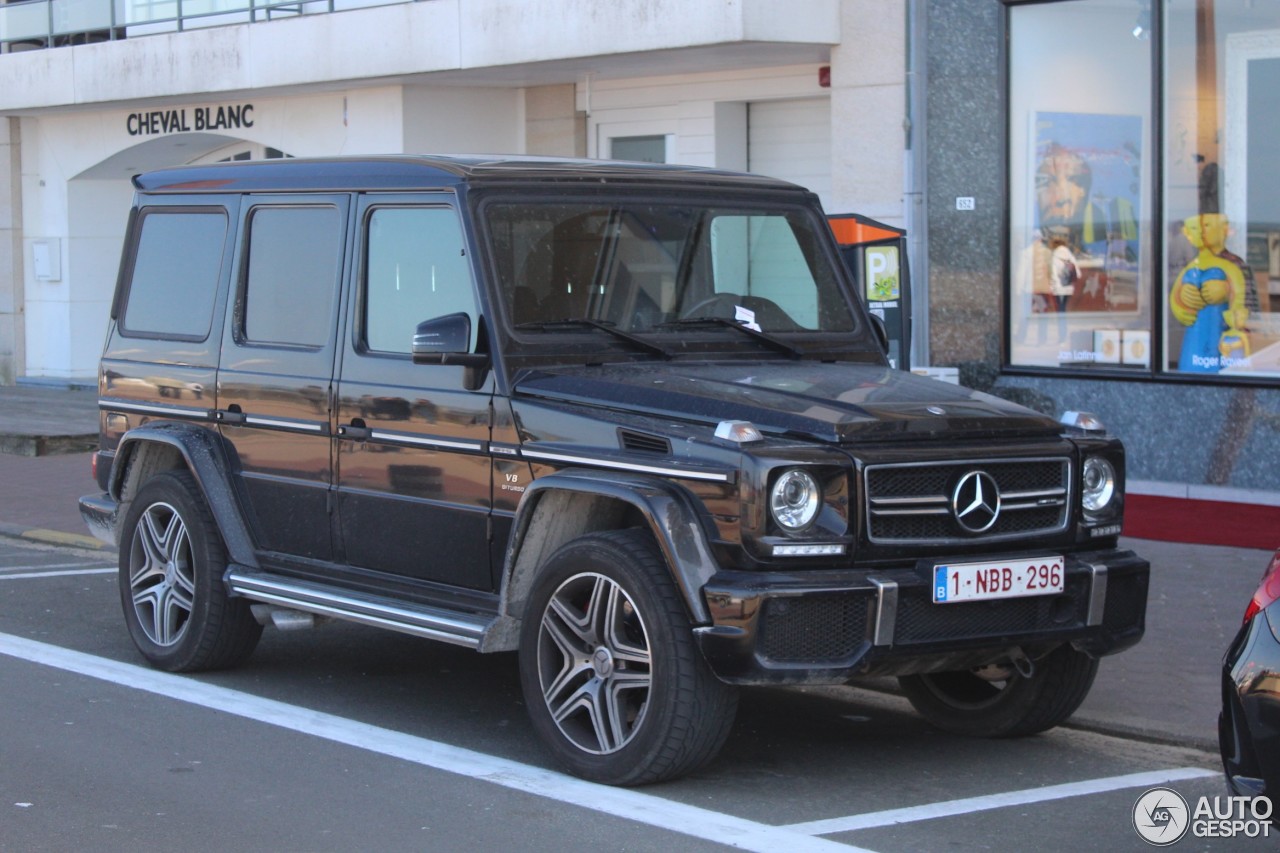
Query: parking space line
{"x": 969, "y": 805}
{"x": 79, "y": 564}
{"x": 624, "y": 803}
{"x": 27, "y": 572}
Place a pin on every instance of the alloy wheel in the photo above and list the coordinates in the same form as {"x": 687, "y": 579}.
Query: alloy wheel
{"x": 594, "y": 663}
{"x": 161, "y": 575}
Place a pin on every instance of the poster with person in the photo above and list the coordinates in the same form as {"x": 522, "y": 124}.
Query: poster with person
{"x": 1087, "y": 198}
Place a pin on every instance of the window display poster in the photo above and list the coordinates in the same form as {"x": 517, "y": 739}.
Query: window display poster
{"x": 1087, "y": 184}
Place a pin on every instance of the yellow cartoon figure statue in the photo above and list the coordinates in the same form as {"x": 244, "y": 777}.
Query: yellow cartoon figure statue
{"x": 1209, "y": 298}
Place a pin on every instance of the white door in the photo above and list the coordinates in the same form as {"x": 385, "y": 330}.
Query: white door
{"x": 791, "y": 140}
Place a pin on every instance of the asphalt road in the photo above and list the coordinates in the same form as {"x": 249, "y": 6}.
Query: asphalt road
{"x": 347, "y": 738}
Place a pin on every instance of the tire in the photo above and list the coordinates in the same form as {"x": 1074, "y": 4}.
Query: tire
{"x": 171, "y": 565}
{"x": 606, "y": 642}
{"x": 966, "y": 704}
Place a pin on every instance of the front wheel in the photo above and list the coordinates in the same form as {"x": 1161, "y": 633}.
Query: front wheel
{"x": 998, "y": 702}
{"x": 614, "y": 682}
{"x": 171, "y": 565}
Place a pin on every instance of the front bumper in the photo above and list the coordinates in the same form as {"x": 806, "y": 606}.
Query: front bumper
{"x": 819, "y": 627}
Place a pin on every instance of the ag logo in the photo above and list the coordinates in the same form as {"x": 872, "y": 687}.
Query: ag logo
{"x": 1161, "y": 817}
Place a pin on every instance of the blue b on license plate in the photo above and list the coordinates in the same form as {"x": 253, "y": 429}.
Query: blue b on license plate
{"x": 985, "y": 581}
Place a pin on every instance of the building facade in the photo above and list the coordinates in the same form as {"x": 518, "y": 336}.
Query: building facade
{"x": 1140, "y": 135}
{"x": 1128, "y": 140}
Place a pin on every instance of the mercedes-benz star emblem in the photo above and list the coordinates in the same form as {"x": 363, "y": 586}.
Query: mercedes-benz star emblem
{"x": 976, "y": 502}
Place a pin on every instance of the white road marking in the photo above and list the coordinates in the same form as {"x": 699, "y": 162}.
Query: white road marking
{"x": 78, "y": 565}
{"x": 26, "y": 572}
{"x": 969, "y": 805}
{"x": 620, "y": 802}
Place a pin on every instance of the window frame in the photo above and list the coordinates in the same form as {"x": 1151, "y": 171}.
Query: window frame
{"x": 253, "y": 207}
{"x": 120, "y": 308}
{"x": 359, "y": 328}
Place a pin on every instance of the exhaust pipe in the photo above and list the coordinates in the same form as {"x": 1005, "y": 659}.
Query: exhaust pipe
{"x": 1023, "y": 664}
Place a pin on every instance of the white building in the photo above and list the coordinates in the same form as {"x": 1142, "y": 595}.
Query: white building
{"x": 743, "y": 84}
{"x": 963, "y": 121}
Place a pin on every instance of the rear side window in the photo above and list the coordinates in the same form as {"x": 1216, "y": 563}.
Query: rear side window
{"x": 294, "y": 259}
{"x": 175, "y": 274}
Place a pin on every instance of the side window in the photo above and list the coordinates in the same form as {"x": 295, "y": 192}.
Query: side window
{"x": 175, "y": 274}
{"x": 415, "y": 269}
{"x": 291, "y": 278}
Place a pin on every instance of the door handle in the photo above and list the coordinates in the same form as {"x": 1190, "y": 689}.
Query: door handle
{"x": 230, "y": 415}
{"x": 354, "y": 432}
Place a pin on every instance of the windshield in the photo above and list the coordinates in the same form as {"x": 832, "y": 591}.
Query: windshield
{"x": 646, "y": 266}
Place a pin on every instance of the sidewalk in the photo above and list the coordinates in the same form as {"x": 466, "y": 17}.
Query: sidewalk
{"x": 43, "y": 421}
{"x": 47, "y": 435}
{"x": 1166, "y": 689}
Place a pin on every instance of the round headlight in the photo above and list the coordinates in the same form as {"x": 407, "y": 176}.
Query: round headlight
{"x": 795, "y": 500}
{"x": 1099, "y": 483}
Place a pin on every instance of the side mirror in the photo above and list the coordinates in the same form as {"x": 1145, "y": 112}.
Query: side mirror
{"x": 446, "y": 340}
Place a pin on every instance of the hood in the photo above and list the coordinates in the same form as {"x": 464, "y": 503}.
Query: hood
{"x": 835, "y": 403}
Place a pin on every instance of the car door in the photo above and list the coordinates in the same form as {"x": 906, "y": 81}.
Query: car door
{"x": 413, "y": 466}
{"x": 275, "y": 376}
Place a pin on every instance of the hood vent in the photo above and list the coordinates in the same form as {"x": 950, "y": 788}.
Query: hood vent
{"x": 643, "y": 442}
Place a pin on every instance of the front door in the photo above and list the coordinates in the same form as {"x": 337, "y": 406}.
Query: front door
{"x": 413, "y": 466}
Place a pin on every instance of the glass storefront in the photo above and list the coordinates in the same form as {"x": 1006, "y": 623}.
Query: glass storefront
{"x": 1091, "y": 287}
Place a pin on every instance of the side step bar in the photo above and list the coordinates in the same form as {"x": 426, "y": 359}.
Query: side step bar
{"x": 460, "y": 629}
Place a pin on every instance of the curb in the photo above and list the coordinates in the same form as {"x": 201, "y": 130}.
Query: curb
{"x": 1085, "y": 723}
{"x": 886, "y": 689}
{"x": 55, "y": 537}
{"x": 46, "y": 445}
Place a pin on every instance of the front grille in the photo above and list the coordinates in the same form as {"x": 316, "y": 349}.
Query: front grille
{"x": 922, "y": 621}
{"x": 912, "y": 503}
{"x": 815, "y": 628}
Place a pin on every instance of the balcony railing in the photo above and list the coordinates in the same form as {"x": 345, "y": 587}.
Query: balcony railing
{"x": 37, "y": 24}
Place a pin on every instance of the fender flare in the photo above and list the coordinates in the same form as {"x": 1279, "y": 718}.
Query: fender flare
{"x": 206, "y": 457}
{"x": 670, "y": 512}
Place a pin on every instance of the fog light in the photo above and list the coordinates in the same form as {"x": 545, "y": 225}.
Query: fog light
{"x": 831, "y": 550}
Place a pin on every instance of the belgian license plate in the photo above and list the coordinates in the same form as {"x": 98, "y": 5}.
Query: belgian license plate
{"x": 986, "y": 581}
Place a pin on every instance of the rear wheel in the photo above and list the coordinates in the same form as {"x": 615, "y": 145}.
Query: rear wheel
{"x": 998, "y": 702}
{"x": 171, "y": 565}
{"x": 613, "y": 679}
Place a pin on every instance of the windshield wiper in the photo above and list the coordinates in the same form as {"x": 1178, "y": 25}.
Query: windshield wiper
{"x": 583, "y": 322}
{"x": 766, "y": 339}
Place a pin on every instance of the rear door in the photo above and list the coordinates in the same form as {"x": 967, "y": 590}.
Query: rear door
{"x": 275, "y": 377}
{"x": 413, "y": 465}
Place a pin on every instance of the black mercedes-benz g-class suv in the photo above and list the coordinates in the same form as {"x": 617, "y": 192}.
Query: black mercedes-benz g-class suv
{"x": 630, "y": 420}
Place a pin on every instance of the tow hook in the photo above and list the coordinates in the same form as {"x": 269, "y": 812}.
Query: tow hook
{"x": 1023, "y": 664}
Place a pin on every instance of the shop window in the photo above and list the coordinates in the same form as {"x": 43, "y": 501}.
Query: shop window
{"x": 1222, "y": 188}
{"x": 1081, "y": 250}
{"x": 1090, "y": 286}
